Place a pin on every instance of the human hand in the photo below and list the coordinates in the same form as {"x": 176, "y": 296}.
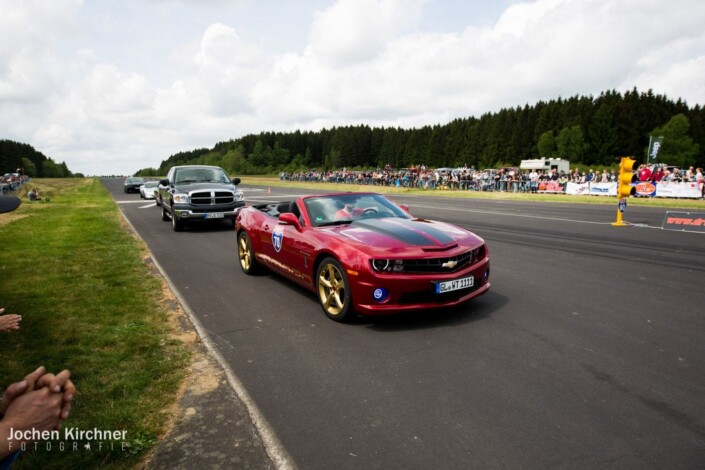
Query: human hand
{"x": 9, "y": 322}
{"x": 59, "y": 383}
{"x": 18, "y": 388}
{"x": 36, "y": 410}
{"x": 39, "y": 379}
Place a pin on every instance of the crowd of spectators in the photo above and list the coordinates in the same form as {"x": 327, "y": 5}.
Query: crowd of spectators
{"x": 11, "y": 182}
{"x": 502, "y": 179}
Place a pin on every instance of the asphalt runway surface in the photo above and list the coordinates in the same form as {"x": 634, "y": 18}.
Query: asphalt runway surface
{"x": 588, "y": 351}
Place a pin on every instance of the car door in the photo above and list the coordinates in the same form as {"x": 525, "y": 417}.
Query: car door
{"x": 291, "y": 250}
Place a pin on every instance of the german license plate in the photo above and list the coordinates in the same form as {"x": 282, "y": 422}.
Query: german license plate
{"x": 214, "y": 215}
{"x": 455, "y": 284}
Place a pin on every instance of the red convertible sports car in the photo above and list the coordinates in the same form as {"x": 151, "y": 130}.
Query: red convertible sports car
{"x": 361, "y": 253}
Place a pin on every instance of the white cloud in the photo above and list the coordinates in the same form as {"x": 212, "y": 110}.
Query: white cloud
{"x": 352, "y": 31}
{"x": 110, "y": 104}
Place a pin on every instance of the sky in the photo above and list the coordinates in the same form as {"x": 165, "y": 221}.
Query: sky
{"x": 114, "y": 86}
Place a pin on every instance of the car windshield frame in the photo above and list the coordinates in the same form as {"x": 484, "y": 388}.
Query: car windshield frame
{"x": 342, "y": 209}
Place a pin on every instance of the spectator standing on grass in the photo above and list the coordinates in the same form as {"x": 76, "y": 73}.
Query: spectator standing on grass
{"x": 644, "y": 173}
{"x": 690, "y": 174}
{"x": 700, "y": 179}
{"x": 39, "y": 402}
{"x": 533, "y": 180}
{"x": 10, "y": 322}
{"x": 657, "y": 175}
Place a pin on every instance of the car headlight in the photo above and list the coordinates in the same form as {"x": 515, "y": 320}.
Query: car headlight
{"x": 239, "y": 196}
{"x": 181, "y": 198}
{"x": 387, "y": 265}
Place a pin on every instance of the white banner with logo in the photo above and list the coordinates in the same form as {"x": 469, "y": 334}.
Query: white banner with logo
{"x": 672, "y": 189}
{"x": 660, "y": 189}
{"x": 591, "y": 189}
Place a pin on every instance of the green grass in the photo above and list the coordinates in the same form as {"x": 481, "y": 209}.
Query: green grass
{"x": 558, "y": 198}
{"x": 89, "y": 304}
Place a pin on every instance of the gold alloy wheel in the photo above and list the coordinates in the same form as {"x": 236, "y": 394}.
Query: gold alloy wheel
{"x": 331, "y": 289}
{"x": 244, "y": 252}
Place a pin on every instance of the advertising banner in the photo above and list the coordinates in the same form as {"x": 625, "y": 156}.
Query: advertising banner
{"x": 592, "y": 189}
{"x": 654, "y": 146}
{"x": 551, "y": 187}
{"x": 646, "y": 188}
{"x": 684, "y": 221}
{"x": 673, "y": 189}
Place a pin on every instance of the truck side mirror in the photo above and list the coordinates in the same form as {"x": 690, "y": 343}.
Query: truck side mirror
{"x": 236, "y": 181}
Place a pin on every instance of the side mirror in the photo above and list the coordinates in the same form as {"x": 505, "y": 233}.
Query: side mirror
{"x": 405, "y": 207}
{"x": 236, "y": 181}
{"x": 164, "y": 182}
{"x": 290, "y": 219}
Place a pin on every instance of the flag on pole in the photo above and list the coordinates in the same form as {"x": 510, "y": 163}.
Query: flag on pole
{"x": 654, "y": 147}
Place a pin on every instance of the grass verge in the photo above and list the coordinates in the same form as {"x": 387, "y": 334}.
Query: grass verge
{"x": 637, "y": 201}
{"x": 90, "y": 304}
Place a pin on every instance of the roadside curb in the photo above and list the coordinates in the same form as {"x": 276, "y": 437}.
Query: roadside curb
{"x": 219, "y": 425}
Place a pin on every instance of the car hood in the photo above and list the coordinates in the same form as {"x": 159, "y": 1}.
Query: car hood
{"x": 397, "y": 233}
{"x": 189, "y": 187}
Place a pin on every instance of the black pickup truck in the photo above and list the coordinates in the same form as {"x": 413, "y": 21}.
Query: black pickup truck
{"x": 196, "y": 193}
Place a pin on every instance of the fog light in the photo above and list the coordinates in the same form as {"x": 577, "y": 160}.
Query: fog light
{"x": 380, "y": 294}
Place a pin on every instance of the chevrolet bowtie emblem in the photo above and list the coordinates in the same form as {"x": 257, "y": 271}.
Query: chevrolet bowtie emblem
{"x": 449, "y": 264}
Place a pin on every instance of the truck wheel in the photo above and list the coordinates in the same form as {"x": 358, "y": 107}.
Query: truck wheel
{"x": 176, "y": 224}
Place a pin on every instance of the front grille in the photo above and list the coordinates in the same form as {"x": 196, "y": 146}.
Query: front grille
{"x": 436, "y": 265}
{"x": 208, "y": 198}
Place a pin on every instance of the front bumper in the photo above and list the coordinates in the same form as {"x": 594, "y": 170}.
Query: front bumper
{"x": 196, "y": 213}
{"x": 415, "y": 292}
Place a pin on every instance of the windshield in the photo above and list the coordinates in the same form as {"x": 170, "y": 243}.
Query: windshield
{"x": 201, "y": 175}
{"x": 346, "y": 208}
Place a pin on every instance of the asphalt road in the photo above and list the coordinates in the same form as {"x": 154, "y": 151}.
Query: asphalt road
{"x": 588, "y": 351}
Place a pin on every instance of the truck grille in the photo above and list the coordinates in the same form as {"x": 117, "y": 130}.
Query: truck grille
{"x": 212, "y": 198}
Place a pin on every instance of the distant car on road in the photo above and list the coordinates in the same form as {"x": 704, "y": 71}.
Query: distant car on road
{"x": 196, "y": 193}
{"x": 361, "y": 253}
{"x": 149, "y": 189}
{"x": 132, "y": 184}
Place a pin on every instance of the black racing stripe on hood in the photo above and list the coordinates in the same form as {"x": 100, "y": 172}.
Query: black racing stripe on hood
{"x": 408, "y": 231}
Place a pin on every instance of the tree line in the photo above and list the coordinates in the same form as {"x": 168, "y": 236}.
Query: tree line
{"x": 585, "y": 130}
{"x": 16, "y": 155}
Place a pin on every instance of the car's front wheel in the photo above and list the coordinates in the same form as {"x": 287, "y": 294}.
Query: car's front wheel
{"x": 246, "y": 255}
{"x": 333, "y": 290}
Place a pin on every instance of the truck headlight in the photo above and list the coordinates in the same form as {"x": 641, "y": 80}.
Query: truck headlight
{"x": 181, "y": 198}
{"x": 239, "y": 196}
